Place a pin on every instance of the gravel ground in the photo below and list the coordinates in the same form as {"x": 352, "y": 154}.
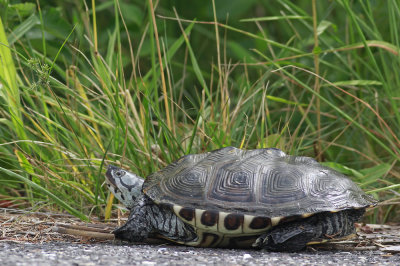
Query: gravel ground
{"x": 56, "y": 253}
{"x": 28, "y": 238}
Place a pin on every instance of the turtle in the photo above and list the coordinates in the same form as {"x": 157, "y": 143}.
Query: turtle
{"x": 231, "y": 197}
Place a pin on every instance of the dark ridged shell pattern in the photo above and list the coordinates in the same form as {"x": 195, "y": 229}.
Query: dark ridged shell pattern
{"x": 261, "y": 182}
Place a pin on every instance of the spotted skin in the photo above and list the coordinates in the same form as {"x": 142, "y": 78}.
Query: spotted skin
{"x": 124, "y": 185}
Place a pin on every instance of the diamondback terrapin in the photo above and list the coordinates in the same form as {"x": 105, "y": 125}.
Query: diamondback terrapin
{"x": 230, "y": 197}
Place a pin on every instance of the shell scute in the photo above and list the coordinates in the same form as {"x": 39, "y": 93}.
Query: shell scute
{"x": 262, "y": 182}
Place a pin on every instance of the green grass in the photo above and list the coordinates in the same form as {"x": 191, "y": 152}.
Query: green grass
{"x": 83, "y": 87}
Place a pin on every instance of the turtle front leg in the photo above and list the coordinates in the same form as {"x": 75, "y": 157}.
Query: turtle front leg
{"x": 148, "y": 219}
{"x": 139, "y": 226}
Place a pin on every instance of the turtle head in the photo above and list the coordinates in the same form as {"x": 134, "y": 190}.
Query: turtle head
{"x": 125, "y": 185}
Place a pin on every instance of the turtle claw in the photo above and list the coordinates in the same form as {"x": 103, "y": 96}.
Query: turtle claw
{"x": 133, "y": 231}
{"x": 259, "y": 242}
{"x": 287, "y": 237}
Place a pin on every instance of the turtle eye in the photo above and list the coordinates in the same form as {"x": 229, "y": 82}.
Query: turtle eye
{"x": 119, "y": 173}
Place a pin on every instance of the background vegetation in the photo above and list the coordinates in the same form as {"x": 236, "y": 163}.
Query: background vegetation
{"x": 141, "y": 83}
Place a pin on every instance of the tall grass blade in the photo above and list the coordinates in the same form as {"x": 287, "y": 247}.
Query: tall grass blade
{"x": 56, "y": 199}
{"x": 8, "y": 87}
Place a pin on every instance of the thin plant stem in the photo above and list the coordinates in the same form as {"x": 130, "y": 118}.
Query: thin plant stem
{"x": 164, "y": 85}
{"x": 316, "y": 82}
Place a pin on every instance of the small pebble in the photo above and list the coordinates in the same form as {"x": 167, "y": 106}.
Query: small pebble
{"x": 247, "y": 256}
{"x": 148, "y": 263}
{"x": 162, "y": 250}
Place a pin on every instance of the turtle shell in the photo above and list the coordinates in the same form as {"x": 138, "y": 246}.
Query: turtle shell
{"x": 261, "y": 182}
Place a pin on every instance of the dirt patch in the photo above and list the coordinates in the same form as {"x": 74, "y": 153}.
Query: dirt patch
{"x": 38, "y": 227}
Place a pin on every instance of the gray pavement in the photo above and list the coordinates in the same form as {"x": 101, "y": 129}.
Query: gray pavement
{"x": 61, "y": 253}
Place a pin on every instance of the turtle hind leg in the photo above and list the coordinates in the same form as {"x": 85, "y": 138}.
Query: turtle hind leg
{"x": 289, "y": 237}
{"x": 294, "y": 236}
